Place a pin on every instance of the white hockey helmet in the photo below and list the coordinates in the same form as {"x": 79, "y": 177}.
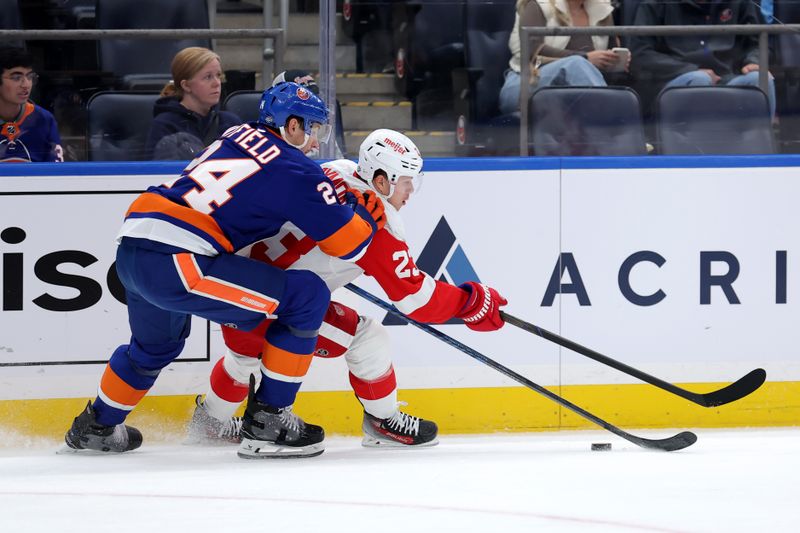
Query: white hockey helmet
{"x": 391, "y": 152}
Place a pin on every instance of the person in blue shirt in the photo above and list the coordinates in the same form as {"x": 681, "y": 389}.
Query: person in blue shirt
{"x": 28, "y": 133}
{"x": 177, "y": 258}
{"x": 187, "y": 116}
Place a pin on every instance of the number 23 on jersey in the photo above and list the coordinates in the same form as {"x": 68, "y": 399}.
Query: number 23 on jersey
{"x": 403, "y": 270}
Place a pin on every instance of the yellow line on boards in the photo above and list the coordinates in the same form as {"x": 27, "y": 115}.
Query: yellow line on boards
{"x": 473, "y": 410}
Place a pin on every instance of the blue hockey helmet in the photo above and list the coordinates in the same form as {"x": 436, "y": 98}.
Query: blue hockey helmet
{"x": 289, "y": 99}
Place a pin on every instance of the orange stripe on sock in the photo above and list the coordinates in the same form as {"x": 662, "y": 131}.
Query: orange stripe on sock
{"x": 285, "y": 363}
{"x": 219, "y": 290}
{"x": 155, "y": 203}
{"x": 116, "y": 389}
{"x": 347, "y": 238}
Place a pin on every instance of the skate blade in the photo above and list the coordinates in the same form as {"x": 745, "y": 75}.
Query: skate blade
{"x": 258, "y": 449}
{"x": 66, "y": 450}
{"x": 210, "y": 442}
{"x": 372, "y": 442}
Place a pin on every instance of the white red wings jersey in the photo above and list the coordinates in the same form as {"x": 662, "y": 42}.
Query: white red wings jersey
{"x": 387, "y": 259}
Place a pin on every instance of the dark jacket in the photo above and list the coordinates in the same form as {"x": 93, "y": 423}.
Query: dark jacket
{"x": 170, "y": 118}
{"x": 661, "y": 59}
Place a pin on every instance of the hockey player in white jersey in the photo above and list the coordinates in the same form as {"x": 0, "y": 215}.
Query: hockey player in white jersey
{"x": 388, "y": 166}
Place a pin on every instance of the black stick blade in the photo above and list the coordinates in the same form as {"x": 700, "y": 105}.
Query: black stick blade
{"x": 736, "y": 390}
{"x": 671, "y": 444}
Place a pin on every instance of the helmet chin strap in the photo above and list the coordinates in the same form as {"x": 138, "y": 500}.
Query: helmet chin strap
{"x": 290, "y": 143}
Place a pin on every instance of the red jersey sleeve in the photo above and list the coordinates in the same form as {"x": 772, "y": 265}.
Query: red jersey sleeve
{"x": 413, "y": 292}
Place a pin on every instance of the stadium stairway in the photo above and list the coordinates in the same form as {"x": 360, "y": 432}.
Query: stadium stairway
{"x": 368, "y": 100}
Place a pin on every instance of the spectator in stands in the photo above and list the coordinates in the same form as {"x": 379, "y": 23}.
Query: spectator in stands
{"x": 671, "y": 61}
{"x": 560, "y": 60}
{"x": 187, "y": 116}
{"x": 28, "y": 132}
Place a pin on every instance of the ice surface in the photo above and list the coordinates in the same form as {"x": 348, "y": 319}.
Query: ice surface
{"x": 732, "y": 480}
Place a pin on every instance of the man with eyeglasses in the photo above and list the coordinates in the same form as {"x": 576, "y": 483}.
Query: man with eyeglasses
{"x": 28, "y": 133}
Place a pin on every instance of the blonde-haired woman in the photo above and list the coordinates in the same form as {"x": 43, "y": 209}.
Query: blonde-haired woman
{"x": 579, "y": 60}
{"x": 187, "y": 117}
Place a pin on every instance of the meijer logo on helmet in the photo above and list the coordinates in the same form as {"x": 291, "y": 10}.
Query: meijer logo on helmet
{"x": 397, "y": 147}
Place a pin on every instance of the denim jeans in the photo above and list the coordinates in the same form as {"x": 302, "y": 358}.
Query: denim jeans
{"x": 568, "y": 71}
{"x": 698, "y": 77}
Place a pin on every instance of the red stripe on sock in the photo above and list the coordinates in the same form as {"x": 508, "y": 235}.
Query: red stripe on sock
{"x": 249, "y": 343}
{"x": 374, "y": 389}
{"x": 225, "y": 386}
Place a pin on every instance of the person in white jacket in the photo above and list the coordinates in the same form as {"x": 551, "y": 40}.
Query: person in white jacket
{"x": 562, "y": 60}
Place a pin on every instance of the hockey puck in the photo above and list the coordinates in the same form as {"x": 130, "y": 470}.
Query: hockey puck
{"x": 601, "y": 446}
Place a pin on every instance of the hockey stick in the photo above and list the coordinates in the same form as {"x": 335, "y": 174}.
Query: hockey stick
{"x": 676, "y": 442}
{"x": 730, "y": 393}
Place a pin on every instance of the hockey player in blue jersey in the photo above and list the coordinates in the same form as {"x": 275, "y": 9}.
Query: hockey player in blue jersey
{"x": 176, "y": 258}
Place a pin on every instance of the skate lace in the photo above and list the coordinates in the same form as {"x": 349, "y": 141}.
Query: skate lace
{"x": 289, "y": 419}
{"x": 402, "y": 422}
{"x": 232, "y": 427}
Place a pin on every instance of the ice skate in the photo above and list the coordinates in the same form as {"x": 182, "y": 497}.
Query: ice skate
{"x": 204, "y": 429}
{"x": 400, "y": 430}
{"x": 276, "y": 433}
{"x": 87, "y": 434}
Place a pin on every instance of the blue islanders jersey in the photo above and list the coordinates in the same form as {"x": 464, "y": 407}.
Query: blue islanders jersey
{"x": 31, "y": 137}
{"x": 242, "y": 189}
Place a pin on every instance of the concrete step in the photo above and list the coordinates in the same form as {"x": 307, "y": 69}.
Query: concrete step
{"x": 352, "y": 83}
{"x": 302, "y": 51}
{"x": 241, "y": 57}
{"x": 361, "y": 100}
{"x": 430, "y": 143}
{"x": 303, "y": 27}
{"x": 370, "y": 115}
{"x": 296, "y": 57}
{"x": 306, "y": 56}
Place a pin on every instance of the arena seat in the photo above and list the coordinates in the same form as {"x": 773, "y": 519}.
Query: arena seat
{"x": 428, "y": 43}
{"x": 117, "y": 125}
{"x": 145, "y": 64}
{"x": 788, "y": 12}
{"x": 10, "y": 19}
{"x": 713, "y": 120}
{"x": 244, "y": 104}
{"x": 368, "y": 24}
{"x": 596, "y": 121}
{"x": 787, "y": 76}
{"x": 480, "y": 129}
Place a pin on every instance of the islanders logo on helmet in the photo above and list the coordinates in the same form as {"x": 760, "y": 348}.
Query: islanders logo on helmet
{"x": 302, "y": 93}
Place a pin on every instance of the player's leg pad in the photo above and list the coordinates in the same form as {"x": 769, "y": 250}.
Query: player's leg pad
{"x": 277, "y": 433}
{"x": 204, "y": 429}
{"x": 87, "y": 434}
{"x": 400, "y": 430}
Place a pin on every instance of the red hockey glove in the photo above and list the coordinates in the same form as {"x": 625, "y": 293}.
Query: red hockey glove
{"x": 372, "y": 204}
{"x": 482, "y": 310}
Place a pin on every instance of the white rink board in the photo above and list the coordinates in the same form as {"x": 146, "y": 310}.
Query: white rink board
{"x": 683, "y": 215}
{"x": 511, "y": 225}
